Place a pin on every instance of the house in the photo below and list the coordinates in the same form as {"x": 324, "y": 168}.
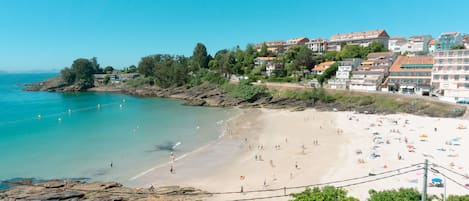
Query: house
{"x": 450, "y": 75}
{"x": 342, "y": 76}
{"x": 448, "y": 39}
{"x": 258, "y": 61}
{"x": 465, "y": 40}
{"x": 114, "y": 77}
{"x": 320, "y": 68}
{"x": 414, "y": 44}
{"x": 358, "y": 38}
{"x": 371, "y": 73}
{"x": 276, "y": 46}
{"x": 269, "y": 63}
{"x": 296, "y": 41}
{"x": 431, "y": 46}
{"x": 411, "y": 75}
{"x": 396, "y": 43}
{"x": 318, "y": 45}
{"x": 417, "y": 44}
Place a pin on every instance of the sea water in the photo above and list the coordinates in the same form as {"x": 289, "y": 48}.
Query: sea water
{"x": 47, "y": 135}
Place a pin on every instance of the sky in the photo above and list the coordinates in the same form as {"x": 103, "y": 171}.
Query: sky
{"x": 44, "y": 35}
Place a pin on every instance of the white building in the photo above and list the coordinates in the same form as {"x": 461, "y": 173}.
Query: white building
{"x": 396, "y": 43}
{"x": 342, "y": 76}
{"x": 358, "y": 38}
{"x": 450, "y": 74}
{"x": 414, "y": 44}
{"x": 318, "y": 45}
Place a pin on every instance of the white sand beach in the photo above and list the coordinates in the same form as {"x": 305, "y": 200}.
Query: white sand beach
{"x": 267, "y": 149}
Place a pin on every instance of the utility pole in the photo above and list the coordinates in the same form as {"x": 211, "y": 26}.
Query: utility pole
{"x": 425, "y": 174}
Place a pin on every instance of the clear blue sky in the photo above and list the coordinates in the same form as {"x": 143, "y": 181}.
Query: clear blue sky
{"x": 50, "y": 34}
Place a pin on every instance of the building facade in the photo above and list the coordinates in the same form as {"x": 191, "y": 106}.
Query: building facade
{"x": 465, "y": 40}
{"x": 450, "y": 75}
{"x": 417, "y": 44}
{"x": 411, "y": 75}
{"x": 295, "y": 42}
{"x": 431, "y": 47}
{"x": 358, "y": 38}
{"x": 277, "y": 46}
{"x": 371, "y": 73}
{"x": 448, "y": 39}
{"x": 342, "y": 76}
{"x": 396, "y": 43}
{"x": 318, "y": 45}
{"x": 320, "y": 68}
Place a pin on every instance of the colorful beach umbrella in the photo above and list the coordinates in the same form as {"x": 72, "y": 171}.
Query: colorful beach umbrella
{"x": 437, "y": 180}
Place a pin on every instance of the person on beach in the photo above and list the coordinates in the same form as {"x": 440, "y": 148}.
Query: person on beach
{"x": 296, "y": 165}
{"x": 111, "y": 164}
{"x": 171, "y": 170}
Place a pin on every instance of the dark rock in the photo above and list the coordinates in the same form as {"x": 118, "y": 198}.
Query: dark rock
{"x": 57, "y": 196}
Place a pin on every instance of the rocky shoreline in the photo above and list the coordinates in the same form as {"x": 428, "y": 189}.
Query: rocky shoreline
{"x": 73, "y": 190}
{"x": 212, "y": 95}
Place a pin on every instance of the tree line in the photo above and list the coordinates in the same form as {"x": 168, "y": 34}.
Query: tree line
{"x": 177, "y": 70}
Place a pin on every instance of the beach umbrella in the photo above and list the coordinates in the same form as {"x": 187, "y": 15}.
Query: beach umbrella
{"x": 424, "y": 135}
{"x": 437, "y": 180}
{"x": 455, "y": 139}
{"x": 410, "y": 146}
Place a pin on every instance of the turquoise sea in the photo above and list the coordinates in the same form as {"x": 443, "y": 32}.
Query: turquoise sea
{"x": 46, "y": 135}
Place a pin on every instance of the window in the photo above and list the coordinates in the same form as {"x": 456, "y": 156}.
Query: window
{"x": 467, "y": 77}
{"x": 445, "y": 77}
{"x": 459, "y": 67}
{"x": 456, "y": 77}
{"x": 436, "y": 77}
{"x": 466, "y": 86}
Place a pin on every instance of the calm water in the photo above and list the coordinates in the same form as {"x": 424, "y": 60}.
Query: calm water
{"x": 82, "y": 143}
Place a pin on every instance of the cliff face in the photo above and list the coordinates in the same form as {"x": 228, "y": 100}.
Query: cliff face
{"x": 77, "y": 190}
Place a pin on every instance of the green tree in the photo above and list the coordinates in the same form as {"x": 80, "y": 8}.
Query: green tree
{"x": 264, "y": 50}
{"x": 350, "y": 51}
{"x": 328, "y": 73}
{"x": 68, "y": 76}
{"x": 373, "y": 47}
{"x": 84, "y": 70}
{"x": 108, "y": 69}
{"x": 458, "y": 198}
{"x": 95, "y": 65}
{"x": 407, "y": 194}
{"x": 132, "y": 69}
{"x": 458, "y": 47}
{"x": 304, "y": 58}
{"x": 199, "y": 57}
{"x": 146, "y": 66}
{"x": 327, "y": 193}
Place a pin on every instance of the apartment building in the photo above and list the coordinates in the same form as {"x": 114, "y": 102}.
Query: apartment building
{"x": 276, "y": 46}
{"x": 448, "y": 39}
{"x": 318, "y": 45}
{"x": 371, "y": 73}
{"x": 342, "y": 76}
{"x": 450, "y": 75}
{"x": 411, "y": 75}
{"x": 358, "y": 38}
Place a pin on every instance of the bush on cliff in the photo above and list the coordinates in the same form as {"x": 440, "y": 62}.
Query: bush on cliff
{"x": 245, "y": 91}
{"x": 326, "y": 193}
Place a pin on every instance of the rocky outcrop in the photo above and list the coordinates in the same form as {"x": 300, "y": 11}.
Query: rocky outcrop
{"x": 77, "y": 191}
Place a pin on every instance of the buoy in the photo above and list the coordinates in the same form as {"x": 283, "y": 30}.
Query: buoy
{"x": 59, "y": 119}
{"x": 69, "y": 111}
{"x": 99, "y": 106}
{"x": 123, "y": 100}
{"x": 120, "y": 105}
{"x": 39, "y": 116}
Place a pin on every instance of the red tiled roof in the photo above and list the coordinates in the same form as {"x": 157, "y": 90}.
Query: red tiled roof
{"x": 396, "y": 67}
{"x": 323, "y": 66}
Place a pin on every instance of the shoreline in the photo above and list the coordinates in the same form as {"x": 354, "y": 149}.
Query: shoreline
{"x": 233, "y": 160}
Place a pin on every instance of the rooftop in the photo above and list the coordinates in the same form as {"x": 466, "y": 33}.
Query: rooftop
{"x": 323, "y": 66}
{"x": 412, "y": 64}
{"x": 360, "y": 35}
{"x": 432, "y": 42}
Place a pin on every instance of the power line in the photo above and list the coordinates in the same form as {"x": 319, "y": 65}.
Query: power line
{"x": 452, "y": 171}
{"x": 454, "y": 181}
{"x": 342, "y": 186}
{"x": 319, "y": 184}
